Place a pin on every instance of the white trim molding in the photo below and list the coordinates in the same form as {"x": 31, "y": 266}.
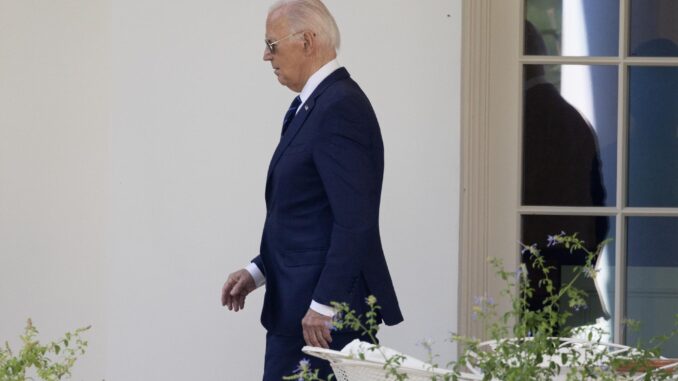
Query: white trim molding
{"x": 473, "y": 270}
{"x": 490, "y": 118}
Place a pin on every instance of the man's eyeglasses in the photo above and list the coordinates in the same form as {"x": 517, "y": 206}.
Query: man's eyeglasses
{"x": 271, "y": 45}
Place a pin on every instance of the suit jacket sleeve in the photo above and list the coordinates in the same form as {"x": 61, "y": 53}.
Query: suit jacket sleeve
{"x": 260, "y": 264}
{"x": 349, "y": 160}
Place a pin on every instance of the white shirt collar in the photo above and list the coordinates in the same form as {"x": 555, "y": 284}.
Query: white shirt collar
{"x": 316, "y": 78}
{"x": 532, "y": 82}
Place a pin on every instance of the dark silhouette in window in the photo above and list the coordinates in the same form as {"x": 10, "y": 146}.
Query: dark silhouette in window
{"x": 561, "y": 167}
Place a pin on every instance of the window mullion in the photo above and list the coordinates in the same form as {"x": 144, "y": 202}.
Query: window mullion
{"x": 622, "y": 165}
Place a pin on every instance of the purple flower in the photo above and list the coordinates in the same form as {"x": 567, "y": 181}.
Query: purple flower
{"x": 590, "y": 272}
{"x": 521, "y": 272}
{"x": 555, "y": 239}
{"x": 552, "y": 240}
{"x": 483, "y": 300}
{"x": 580, "y": 306}
{"x": 530, "y": 249}
{"x": 304, "y": 365}
{"x": 480, "y": 304}
{"x": 426, "y": 343}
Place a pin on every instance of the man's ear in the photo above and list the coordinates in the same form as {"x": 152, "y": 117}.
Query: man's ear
{"x": 309, "y": 42}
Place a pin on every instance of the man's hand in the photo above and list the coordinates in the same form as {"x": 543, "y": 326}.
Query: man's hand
{"x": 316, "y": 328}
{"x": 236, "y": 288}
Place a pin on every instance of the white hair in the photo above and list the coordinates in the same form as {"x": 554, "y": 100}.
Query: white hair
{"x": 310, "y": 15}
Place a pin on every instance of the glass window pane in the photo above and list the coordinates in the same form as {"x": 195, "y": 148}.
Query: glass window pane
{"x": 654, "y": 28}
{"x": 593, "y": 230}
{"x": 651, "y": 273}
{"x": 569, "y": 135}
{"x": 572, "y": 27}
{"x": 653, "y": 137}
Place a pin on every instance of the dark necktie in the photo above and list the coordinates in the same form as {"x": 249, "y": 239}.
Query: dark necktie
{"x": 290, "y": 113}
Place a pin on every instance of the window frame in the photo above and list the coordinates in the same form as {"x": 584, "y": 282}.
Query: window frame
{"x": 491, "y": 147}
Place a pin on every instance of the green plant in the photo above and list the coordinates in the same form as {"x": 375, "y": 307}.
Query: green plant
{"x": 51, "y": 362}
{"x": 527, "y": 344}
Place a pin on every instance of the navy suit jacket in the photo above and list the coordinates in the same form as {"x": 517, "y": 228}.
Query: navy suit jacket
{"x": 321, "y": 237}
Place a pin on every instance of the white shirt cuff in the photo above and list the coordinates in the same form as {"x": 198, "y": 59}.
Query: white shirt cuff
{"x": 323, "y": 309}
{"x": 259, "y": 278}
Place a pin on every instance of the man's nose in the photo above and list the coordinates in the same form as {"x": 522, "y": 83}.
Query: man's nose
{"x": 267, "y": 54}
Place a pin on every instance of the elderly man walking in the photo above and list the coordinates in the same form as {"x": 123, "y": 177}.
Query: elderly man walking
{"x": 320, "y": 241}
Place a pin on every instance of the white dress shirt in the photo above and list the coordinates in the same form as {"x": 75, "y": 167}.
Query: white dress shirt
{"x": 306, "y": 92}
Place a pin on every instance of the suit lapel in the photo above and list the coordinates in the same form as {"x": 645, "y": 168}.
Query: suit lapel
{"x": 298, "y": 121}
{"x": 291, "y": 132}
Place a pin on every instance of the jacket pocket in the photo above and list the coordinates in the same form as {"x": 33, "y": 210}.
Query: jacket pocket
{"x": 295, "y": 258}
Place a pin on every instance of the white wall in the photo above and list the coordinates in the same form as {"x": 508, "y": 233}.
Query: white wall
{"x": 54, "y": 121}
{"x": 178, "y": 175}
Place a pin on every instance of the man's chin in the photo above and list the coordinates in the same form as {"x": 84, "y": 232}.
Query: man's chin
{"x": 283, "y": 81}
